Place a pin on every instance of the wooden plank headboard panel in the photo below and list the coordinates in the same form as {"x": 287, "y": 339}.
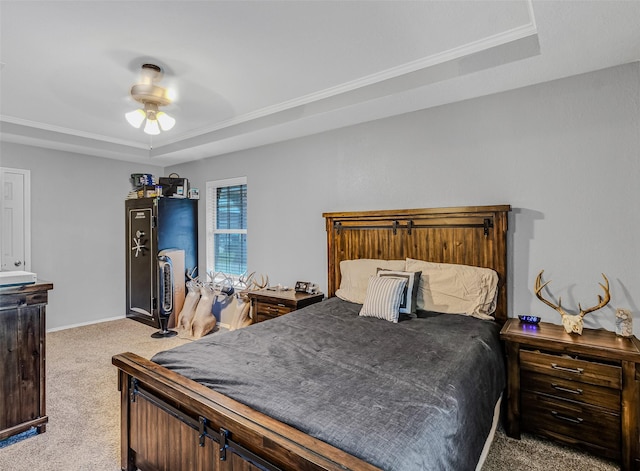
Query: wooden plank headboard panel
{"x": 470, "y": 235}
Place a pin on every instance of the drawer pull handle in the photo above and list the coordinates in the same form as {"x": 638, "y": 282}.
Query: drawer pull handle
{"x": 574, "y": 420}
{"x": 560, "y": 388}
{"x": 577, "y": 371}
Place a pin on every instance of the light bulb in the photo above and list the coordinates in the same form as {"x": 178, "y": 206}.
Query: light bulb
{"x": 152, "y": 127}
{"x": 136, "y": 117}
{"x": 166, "y": 122}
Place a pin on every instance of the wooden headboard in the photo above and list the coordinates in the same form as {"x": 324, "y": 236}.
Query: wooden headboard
{"x": 470, "y": 235}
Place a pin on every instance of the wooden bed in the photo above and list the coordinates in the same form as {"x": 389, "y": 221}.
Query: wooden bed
{"x": 169, "y": 422}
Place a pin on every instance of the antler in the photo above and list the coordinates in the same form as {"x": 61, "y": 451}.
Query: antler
{"x": 264, "y": 282}
{"x": 191, "y": 275}
{"x": 602, "y": 302}
{"x": 245, "y": 280}
{"x": 538, "y": 287}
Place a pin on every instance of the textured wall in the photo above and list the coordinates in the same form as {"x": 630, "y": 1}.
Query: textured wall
{"x": 77, "y": 230}
{"x": 565, "y": 155}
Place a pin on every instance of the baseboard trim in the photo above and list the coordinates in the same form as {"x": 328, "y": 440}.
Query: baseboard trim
{"x": 82, "y": 324}
{"x": 99, "y": 321}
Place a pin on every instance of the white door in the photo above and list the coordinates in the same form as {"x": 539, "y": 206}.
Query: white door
{"x": 15, "y": 233}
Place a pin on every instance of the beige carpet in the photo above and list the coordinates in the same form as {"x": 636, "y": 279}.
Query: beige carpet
{"x": 83, "y": 408}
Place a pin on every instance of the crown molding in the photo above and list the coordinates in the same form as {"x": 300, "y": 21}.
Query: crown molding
{"x": 381, "y": 83}
{"x": 474, "y": 47}
{"x": 70, "y": 132}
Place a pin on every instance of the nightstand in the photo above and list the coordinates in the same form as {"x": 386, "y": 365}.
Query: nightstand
{"x": 581, "y": 390}
{"x": 267, "y": 304}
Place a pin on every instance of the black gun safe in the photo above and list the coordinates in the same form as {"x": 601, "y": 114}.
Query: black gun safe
{"x": 157, "y": 230}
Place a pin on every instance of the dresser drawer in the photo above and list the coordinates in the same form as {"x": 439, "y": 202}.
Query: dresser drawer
{"x": 272, "y": 310}
{"x": 573, "y": 369}
{"x": 16, "y": 300}
{"x": 601, "y": 396}
{"x": 578, "y": 422}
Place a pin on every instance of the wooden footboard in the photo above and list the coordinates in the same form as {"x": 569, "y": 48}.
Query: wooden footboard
{"x": 169, "y": 422}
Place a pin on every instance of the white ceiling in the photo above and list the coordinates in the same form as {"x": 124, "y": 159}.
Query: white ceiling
{"x": 248, "y": 73}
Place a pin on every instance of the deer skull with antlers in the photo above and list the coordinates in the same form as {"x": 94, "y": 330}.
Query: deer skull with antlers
{"x": 572, "y": 323}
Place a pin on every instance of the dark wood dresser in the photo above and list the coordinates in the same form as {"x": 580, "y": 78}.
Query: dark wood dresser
{"x": 22, "y": 358}
{"x": 581, "y": 390}
{"x": 267, "y": 304}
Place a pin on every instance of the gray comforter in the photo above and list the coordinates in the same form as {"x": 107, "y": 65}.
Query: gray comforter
{"x": 416, "y": 395}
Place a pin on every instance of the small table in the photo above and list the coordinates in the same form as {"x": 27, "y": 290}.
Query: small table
{"x": 268, "y": 304}
{"x": 581, "y": 390}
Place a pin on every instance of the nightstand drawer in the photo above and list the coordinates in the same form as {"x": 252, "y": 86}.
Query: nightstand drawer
{"x": 572, "y": 369}
{"x": 269, "y": 303}
{"x": 261, "y": 317}
{"x": 272, "y": 310}
{"x": 578, "y": 422}
{"x": 601, "y": 396}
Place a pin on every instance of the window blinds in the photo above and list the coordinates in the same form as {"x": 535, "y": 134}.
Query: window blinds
{"x": 230, "y": 230}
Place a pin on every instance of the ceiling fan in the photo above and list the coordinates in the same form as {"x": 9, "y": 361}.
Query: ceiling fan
{"x": 151, "y": 96}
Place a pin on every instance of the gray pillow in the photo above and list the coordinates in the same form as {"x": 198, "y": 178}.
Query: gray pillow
{"x": 409, "y": 302}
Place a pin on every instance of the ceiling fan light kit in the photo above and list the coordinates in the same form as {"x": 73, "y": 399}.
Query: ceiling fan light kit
{"x": 151, "y": 96}
{"x": 136, "y": 117}
{"x": 152, "y": 127}
{"x": 166, "y": 122}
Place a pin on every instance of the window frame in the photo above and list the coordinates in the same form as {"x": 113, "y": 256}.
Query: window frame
{"x": 211, "y": 192}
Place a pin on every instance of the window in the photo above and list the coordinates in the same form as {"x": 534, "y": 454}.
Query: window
{"x": 227, "y": 226}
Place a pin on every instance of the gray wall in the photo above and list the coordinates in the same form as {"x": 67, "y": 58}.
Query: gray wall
{"x": 565, "y": 155}
{"x": 77, "y": 230}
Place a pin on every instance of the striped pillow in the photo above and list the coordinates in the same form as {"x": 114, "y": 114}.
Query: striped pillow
{"x": 384, "y": 295}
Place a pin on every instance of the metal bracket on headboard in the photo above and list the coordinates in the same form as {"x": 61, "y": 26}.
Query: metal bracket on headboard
{"x": 488, "y": 224}
{"x": 410, "y": 225}
{"x": 395, "y": 225}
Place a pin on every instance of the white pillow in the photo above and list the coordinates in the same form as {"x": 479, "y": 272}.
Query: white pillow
{"x": 384, "y": 294}
{"x": 408, "y": 304}
{"x": 456, "y": 289}
{"x": 355, "y": 276}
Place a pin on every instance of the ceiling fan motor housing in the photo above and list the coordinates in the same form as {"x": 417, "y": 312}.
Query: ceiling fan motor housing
{"x": 147, "y": 91}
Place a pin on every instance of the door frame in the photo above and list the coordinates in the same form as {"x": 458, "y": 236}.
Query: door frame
{"x": 27, "y": 210}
